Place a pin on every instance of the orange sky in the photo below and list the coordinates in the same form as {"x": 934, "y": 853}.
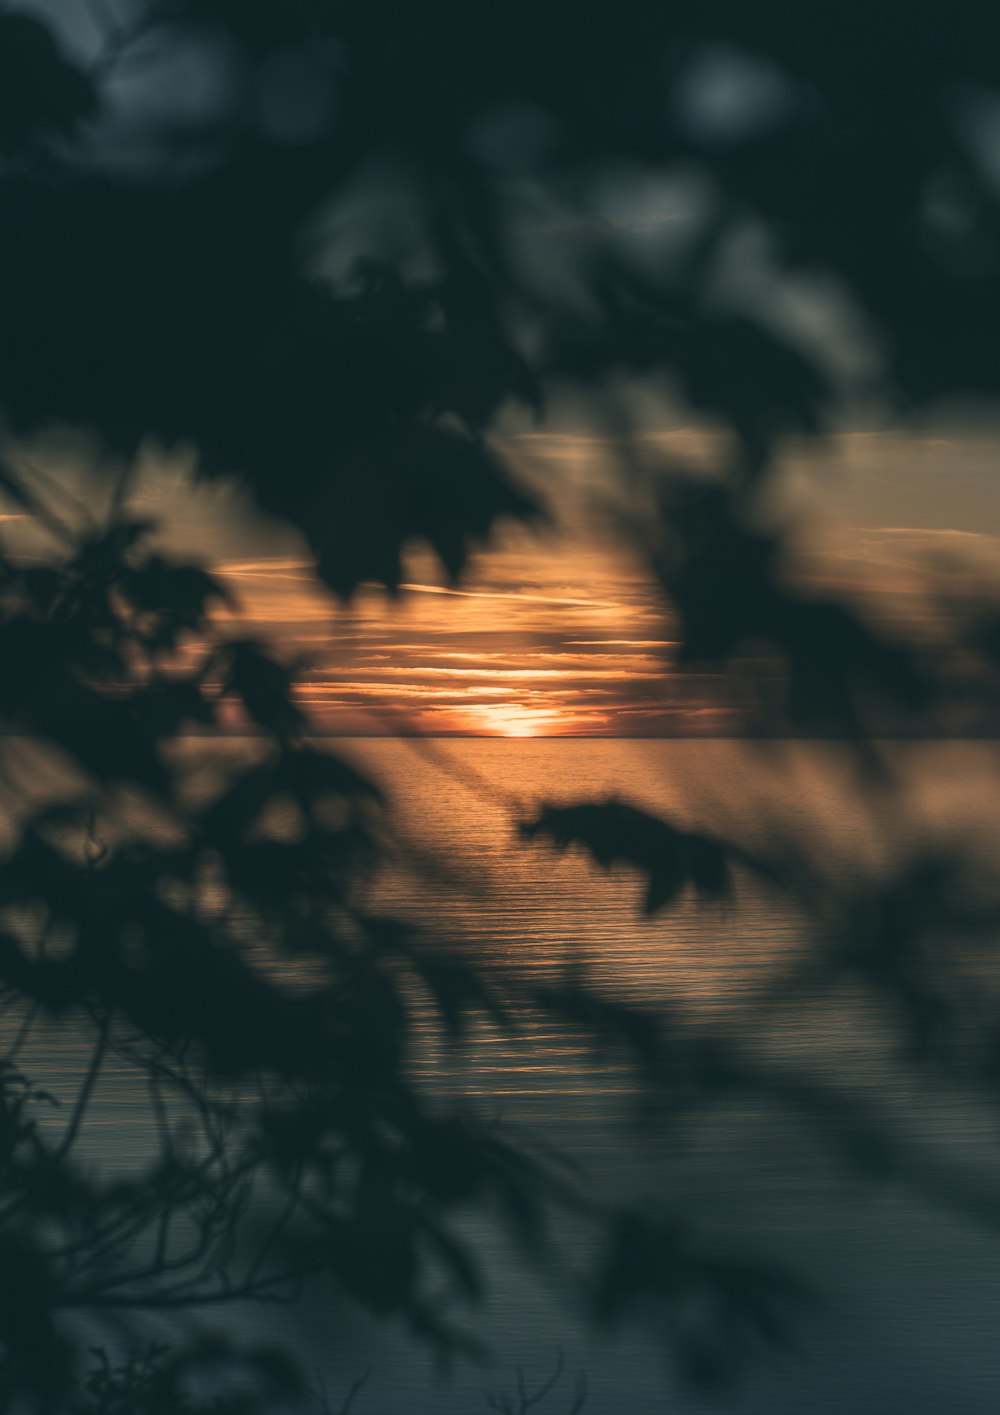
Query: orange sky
{"x": 561, "y": 633}
{"x": 542, "y": 639}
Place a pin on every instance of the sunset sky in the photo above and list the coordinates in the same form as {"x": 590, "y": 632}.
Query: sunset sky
{"x": 561, "y": 631}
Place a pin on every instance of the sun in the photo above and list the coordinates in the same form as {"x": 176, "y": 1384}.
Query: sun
{"x": 513, "y": 720}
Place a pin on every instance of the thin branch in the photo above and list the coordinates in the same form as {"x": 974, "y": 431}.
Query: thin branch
{"x": 322, "y": 1399}
{"x": 293, "y": 1202}
{"x": 14, "y": 485}
{"x": 527, "y": 1400}
{"x": 186, "y": 1295}
{"x": 10, "y": 1055}
{"x": 86, "y": 1090}
{"x": 353, "y": 1393}
{"x": 56, "y": 490}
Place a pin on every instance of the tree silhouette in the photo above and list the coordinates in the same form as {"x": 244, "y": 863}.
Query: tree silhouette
{"x": 218, "y": 276}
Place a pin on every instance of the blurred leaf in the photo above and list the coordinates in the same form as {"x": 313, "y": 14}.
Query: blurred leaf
{"x": 614, "y": 832}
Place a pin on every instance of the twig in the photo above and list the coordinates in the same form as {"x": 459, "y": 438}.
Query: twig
{"x": 86, "y": 1089}
{"x": 322, "y": 1399}
{"x": 353, "y": 1392}
{"x": 526, "y": 1400}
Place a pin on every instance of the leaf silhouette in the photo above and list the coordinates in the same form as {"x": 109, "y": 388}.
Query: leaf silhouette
{"x": 671, "y": 859}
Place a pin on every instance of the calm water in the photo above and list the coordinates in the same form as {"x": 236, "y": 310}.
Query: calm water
{"x": 912, "y": 1290}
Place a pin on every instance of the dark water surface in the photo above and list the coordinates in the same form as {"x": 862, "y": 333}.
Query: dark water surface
{"x": 911, "y": 1288}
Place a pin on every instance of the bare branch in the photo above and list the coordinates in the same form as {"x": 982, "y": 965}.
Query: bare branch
{"x": 526, "y": 1400}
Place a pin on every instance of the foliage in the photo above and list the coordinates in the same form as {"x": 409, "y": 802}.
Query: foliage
{"x": 186, "y": 278}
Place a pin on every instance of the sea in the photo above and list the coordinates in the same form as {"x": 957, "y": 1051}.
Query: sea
{"x": 902, "y": 1268}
